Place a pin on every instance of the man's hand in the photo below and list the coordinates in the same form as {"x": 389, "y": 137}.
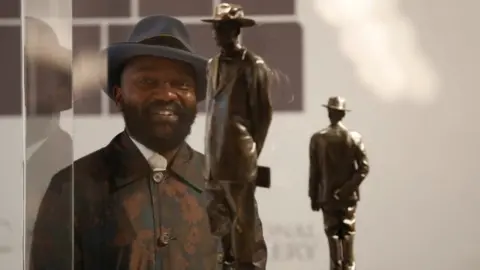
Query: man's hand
{"x": 314, "y": 205}
{"x": 343, "y": 193}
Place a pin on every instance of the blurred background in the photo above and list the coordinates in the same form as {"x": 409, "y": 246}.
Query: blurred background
{"x": 409, "y": 72}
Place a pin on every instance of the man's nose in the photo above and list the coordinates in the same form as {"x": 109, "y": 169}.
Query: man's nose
{"x": 166, "y": 92}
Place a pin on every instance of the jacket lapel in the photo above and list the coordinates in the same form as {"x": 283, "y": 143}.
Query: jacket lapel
{"x": 187, "y": 165}
{"x": 228, "y": 76}
{"x": 220, "y": 83}
{"x": 131, "y": 201}
{"x": 129, "y": 164}
{"x": 126, "y": 161}
{"x": 214, "y": 67}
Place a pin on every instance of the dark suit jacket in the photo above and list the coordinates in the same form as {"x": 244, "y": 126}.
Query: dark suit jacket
{"x": 239, "y": 114}
{"x": 122, "y": 218}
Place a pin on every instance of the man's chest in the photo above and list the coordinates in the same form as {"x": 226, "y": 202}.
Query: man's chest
{"x": 152, "y": 223}
{"x": 231, "y": 74}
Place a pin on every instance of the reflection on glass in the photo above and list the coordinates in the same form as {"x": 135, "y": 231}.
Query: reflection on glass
{"x": 47, "y": 93}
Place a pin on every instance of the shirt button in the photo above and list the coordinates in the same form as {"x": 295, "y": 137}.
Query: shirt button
{"x": 158, "y": 177}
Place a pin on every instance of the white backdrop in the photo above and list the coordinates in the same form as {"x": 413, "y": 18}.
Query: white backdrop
{"x": 409, "y": 71}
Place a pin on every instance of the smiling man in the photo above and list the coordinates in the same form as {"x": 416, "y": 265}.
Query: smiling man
{"x": 138, "y": 202}
{"x": 160, "y": 120}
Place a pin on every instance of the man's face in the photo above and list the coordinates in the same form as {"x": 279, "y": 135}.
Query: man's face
{"x": 157, "y": 99}
{"x": 225, "y": 33}
{"x": 335, "y": 115}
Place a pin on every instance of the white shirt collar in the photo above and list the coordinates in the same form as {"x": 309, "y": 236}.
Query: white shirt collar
{"x": 148, "y": 153}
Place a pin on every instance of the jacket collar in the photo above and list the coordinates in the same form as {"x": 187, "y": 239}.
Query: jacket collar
{"x": 130, "y": 165}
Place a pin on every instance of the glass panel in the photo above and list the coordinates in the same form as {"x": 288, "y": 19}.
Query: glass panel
{"x": 11, "y": 138}
{"x": 48, "y": 114}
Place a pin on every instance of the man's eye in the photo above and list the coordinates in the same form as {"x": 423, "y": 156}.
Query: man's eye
{"x": 146, "y": 81}
{"x": 182, "y": 85}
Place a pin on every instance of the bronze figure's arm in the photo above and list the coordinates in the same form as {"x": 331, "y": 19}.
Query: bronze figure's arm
{"x": 362, "y": 164}
{"x": 53, "y": 233}
{"x": 314, "y": 174}
{"x": 261, "y": 100}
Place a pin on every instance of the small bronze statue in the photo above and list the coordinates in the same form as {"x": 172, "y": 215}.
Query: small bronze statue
{"x": 338, "y": 165}
{"x": 239, "y": 113}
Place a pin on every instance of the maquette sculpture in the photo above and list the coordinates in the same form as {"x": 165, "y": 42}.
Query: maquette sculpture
{"x": 239, "y": 114}
{"x": 338, "y": 165}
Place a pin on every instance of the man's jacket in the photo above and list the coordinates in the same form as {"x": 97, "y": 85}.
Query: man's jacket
{"x": 122, "y": 219}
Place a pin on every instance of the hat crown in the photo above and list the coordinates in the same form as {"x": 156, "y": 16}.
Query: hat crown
{"x": 160, "y": 26}
{"x": 157, "y": 36}
{"x": 226, "y": 11}
{"x": 337, "y": 102}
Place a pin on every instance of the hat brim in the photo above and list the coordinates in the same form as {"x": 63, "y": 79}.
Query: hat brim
{"x": 335, "y": 108}
{"x": 120, "y": 53}
{"x": 244, "y": 22}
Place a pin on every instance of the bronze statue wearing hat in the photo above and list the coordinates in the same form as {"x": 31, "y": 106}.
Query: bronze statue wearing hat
{"x": 239, "y": 113}
{"x": 338, "y": 165}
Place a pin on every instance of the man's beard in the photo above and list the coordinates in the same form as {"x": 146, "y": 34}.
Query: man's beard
{"x": 143, "y": 128}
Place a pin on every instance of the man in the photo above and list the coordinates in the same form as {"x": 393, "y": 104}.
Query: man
{"x": 138, "y": 202}
{"x": 338, "y": 165}
{"x": 239, "y": 113}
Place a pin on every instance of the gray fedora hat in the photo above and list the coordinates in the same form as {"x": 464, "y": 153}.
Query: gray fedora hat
{"x": 161, "y": 36}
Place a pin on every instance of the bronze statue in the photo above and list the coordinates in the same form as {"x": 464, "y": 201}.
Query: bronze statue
{"x": 338, "y": 165}
{"x": 239, "y": 113}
